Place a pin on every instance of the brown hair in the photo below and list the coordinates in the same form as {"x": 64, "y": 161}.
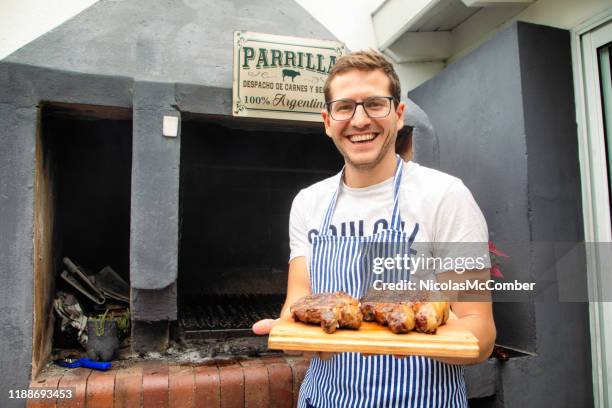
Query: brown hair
{"x": 366, "y": 60}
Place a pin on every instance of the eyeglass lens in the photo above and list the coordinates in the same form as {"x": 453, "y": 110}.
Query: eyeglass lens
{"x": 375, "y": 107}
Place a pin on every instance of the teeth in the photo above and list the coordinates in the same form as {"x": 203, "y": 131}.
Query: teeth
{"x": 362, "y": 138}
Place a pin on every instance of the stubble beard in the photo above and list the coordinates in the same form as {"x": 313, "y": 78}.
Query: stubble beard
{"x": 370, "y": 165}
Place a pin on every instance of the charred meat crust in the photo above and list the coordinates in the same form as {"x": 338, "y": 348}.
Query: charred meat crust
{"x": 399, "y": 317}
{"x": 340, "y": 310}
{"x": 330, "y": 310}
{"x": 424, "y": 317}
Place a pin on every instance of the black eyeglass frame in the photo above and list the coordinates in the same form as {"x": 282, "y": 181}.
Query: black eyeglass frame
{"x": 390, "y": 98}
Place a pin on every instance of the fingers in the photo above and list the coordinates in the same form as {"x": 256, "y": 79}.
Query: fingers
{"x": 325, "y": 356}
{"x": 264, "y": 326}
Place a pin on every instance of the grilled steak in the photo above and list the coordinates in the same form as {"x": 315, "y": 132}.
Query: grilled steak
{"x": 331, "y": 310}
{"x": 430, "y": 315}
{"x": 398, "y": 316}
{"x": 405, "y": 311}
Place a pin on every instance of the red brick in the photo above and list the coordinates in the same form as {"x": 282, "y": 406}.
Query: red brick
{"x": 155, "y": 384}
{"x": 273, "y": 359}
{"x": 128, "y": 387}
{"x": 101, "y": 389}
{"x": 280, "y": 377}
{"x": 49, "y": 383}
{"x": 207, "y": 387}
{"x": 231, "y": 380}
{"x": 250, "y": 362}
{"x": 256, "y": 388}
{"x": 76, "y": 379}
{"x": 181, "y": 387}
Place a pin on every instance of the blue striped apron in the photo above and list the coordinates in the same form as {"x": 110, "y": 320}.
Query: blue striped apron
{"x": 354, "y": 380}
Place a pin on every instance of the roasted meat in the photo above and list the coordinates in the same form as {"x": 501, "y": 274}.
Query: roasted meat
{"x": 430, "y": 315}
{"x": 330, "y": 310}
{"x": 398, "y": 316}
{"x": 405, "y": 311}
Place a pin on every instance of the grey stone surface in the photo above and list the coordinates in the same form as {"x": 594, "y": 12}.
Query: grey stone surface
{"x": 476, "y": 108}
{"x": 154, "y": 305}
{"x": 189, "y": 41}
{"x": 155, "y": 189}
{"x": 150, "y": 337}
{"x": 17, "y": 135}
{"x": 25, "y": 85}
{"x": 425, "y": 144}
{"x": 481, "y": 379}
{"x": 504, "y": 117}
{"x": 555, "y": 215}
{"x": 204, "y": 99}
{"x": 23, "y": 89}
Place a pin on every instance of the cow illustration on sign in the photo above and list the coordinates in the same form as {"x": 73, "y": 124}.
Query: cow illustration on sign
{"x": 290, "y": 73}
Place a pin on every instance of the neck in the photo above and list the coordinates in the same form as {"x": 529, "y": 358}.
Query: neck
{"x": 356, "y": 177}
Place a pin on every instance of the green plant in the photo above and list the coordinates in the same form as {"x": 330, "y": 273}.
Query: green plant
{"x": 100, "y": 326}
{"x": 123, "y": 322}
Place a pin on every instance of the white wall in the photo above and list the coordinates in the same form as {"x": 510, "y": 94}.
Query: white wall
{"x": 565, "y": 14}
{"x": 350, "y": 21}
{"x": 22, "y": 21}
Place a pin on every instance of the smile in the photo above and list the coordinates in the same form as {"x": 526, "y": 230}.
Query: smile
{"x": 366, "y": 137}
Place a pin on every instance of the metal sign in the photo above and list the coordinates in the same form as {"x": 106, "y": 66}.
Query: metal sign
{"x": 281, "y": 77}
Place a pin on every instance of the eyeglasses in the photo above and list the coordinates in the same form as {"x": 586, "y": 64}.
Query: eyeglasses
{"x": 374, "y": 106}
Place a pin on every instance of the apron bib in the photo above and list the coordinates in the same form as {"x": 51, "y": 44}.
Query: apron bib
{"x": 350, "y": 379}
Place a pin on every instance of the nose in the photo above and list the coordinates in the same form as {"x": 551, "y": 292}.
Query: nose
{"x": 360, "y": 119}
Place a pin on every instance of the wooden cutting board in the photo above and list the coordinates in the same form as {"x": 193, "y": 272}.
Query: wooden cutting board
{"x": 449, "y": 341}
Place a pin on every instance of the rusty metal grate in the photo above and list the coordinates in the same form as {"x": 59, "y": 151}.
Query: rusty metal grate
{"x": 226, "y": 315}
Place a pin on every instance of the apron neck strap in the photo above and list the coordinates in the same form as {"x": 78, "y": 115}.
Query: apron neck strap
{"x": 396, "y": 221}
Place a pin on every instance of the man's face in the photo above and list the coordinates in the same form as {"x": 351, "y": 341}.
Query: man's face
{"x": 364, "y": 142}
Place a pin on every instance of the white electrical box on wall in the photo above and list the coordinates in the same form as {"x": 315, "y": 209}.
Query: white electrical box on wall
{"x": 170, "y": 126}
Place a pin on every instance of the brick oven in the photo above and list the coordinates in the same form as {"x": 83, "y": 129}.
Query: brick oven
{"x": 196, "y": 224}
{"x": 237, "y": 183}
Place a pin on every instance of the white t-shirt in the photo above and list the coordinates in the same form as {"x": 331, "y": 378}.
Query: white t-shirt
{"x": 441, "y": 204}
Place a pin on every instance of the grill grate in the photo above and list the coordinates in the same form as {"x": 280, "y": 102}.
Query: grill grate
{"x": 226, "y": 315}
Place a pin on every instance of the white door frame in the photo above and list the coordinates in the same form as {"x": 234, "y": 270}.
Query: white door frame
{"x": 586, "y": 38}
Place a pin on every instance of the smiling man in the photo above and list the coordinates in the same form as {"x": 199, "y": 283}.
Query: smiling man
{"x": 377, "y": 198}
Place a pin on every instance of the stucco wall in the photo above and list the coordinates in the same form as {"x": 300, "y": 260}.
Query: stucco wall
{"x": 504, "y": 118}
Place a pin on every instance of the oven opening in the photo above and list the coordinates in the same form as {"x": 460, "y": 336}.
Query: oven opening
{"x": 238, "y": 180}
{"x": 82, "y": 209}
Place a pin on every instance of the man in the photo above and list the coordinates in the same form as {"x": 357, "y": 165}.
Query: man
{"x": 378, "y": 198}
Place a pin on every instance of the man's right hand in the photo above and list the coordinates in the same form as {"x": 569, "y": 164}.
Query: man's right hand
{"x": 264, "y": 326}
{"x": 298, "y": 285}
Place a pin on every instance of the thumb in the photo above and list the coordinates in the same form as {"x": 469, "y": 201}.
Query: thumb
{"x": 264, "y": 326}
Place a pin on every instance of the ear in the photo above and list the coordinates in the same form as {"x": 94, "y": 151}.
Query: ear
{"x": 400, "y": 115}
{"x": 326, "y": 121}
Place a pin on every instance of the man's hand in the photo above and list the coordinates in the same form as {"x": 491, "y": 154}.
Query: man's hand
{"x": 264, "y": 326}
{"x": 475, "y": 313}
{"x": 298, "y": 286}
